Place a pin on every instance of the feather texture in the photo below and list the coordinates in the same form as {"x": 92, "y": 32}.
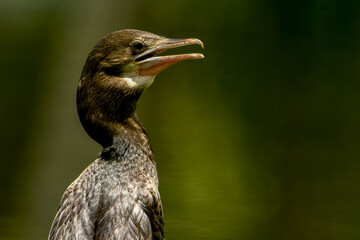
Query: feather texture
{"x": 115, "y": 198}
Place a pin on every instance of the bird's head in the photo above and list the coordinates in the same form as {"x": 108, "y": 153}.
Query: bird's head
{"x": 118, "y": 69}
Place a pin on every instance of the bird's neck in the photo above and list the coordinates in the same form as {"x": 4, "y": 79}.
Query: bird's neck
{"x": 131, "y": 132}
{"x": 130, "y": 141}
{"x": 107, "y": 112}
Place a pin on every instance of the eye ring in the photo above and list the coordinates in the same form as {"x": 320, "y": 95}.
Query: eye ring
{"x": 137, "y": 46}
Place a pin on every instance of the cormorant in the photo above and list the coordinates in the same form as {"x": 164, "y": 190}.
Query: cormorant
{"x": 116, "y": 196}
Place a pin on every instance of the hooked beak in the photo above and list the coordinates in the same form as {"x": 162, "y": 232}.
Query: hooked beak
{"x": 151, "y": 65}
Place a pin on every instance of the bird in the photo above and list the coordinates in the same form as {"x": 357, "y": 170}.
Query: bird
{"x": 117, "y": 196}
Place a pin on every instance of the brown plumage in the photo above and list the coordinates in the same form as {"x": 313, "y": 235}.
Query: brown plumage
{"x": 117, "y": 196}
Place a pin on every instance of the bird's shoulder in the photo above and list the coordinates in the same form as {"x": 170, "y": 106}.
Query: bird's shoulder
{"x": 75, "y": 213}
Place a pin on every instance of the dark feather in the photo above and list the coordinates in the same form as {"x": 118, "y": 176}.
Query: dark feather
{"x": 107, "y": 202}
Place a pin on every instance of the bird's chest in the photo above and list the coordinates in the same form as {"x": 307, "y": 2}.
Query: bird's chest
{"x": 128, "y": 194}
{"x": 129, "y": 181}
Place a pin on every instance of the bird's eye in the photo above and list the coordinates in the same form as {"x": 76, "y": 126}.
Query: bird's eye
{"x": 138, "y": 46}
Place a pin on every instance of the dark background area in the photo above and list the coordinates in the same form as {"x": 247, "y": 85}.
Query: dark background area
{"x": 260, "y": 140}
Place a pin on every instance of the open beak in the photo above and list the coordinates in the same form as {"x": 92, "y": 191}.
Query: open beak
{"x": 151, "y": 65}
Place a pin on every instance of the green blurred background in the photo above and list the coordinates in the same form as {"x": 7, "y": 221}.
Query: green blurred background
{"x": 260, "y": 140}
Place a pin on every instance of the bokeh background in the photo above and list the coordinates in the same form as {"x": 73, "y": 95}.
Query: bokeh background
{"x": 260, "y": 140}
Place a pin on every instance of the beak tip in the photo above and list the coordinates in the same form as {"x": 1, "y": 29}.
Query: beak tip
{"x": 200, "y": 43}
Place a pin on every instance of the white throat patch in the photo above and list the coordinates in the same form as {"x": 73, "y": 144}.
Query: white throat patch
{"x": 135, "y": 80}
